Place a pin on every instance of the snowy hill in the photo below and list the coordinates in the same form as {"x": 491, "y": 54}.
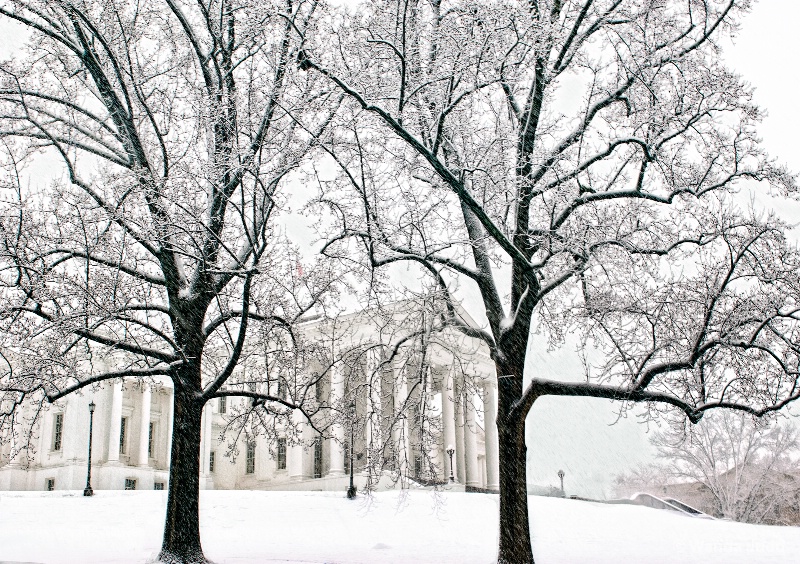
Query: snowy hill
{"x": 248, "y": 527}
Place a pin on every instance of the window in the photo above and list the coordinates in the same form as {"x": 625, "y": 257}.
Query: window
{"x": 318, "y": 391}
{"x": 417, "y": 466}
{"x": 150, "y": 440}
{"x": 156, "y": 486}
{"x": 50, "y": 484}
{"x": 250, "y": 459}
{"x": 58, "y": 429}
{"x": 212, "y": 458}
{"x": 346, "y": 458}
{"x": 318, "y": 458}
{"x": 222, "y": 406}
{"x": 130, "y": 484}
{"x": 123, "y": 427}
{"x": 281, "y": 454}
{"x": 281, "y": 388}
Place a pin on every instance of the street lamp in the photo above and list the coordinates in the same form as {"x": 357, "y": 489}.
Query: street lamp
{"x": 450, "y": 450}
{"x": 561, "y": 477}
{"x": 351, "y": 491}
{"x": 88, "y": 490}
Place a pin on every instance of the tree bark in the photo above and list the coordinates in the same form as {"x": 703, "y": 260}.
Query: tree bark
{"x": 515, "y": 531}
{"x": 181, "y": 544}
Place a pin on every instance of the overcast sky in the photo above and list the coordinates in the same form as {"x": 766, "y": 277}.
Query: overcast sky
{"x": 765, "y": 54}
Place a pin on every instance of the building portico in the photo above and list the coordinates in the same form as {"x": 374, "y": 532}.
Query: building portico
{"x": 404, "y": 425}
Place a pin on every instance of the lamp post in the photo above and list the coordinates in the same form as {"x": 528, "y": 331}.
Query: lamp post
{"x": 351, "y": 491}
{"x": 561, "y": 477}
{"x": 450, "y": 450}
{"x": 88, "y": 490}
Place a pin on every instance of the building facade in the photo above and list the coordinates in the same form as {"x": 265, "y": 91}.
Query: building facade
{"x": 132, "y": 429}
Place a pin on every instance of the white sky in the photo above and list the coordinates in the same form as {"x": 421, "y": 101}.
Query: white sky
{"x": 574, "y": 434}
{"x": 764, "y": 54}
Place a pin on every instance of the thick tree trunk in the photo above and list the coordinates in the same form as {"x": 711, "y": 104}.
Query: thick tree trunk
{"x": 181, "y": 544}
{"x": 515, "y": 532}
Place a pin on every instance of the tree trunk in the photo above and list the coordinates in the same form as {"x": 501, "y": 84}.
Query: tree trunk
{"x": 181, "y": 544}
{"x": 515, "y": 532}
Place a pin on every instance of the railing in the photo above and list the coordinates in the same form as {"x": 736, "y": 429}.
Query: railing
{"x": 649, "y": 500}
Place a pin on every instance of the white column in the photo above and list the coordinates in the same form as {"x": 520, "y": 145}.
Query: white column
{"x": 429, "y": 439}
{"x": 294, "y": 462}
{"x": 115, "y": 422}
{"x": 338, "y": 430}
{"x": 490, "y": 430}
{"x": 400, "y": 432}
{"x": 203, "y": 442}
{"x": 41, "y": 441}
{"x": 144, "y": 430}
{"x": 448, "y": 422}
{"x": 72, "y": 428}
{"x": 170, "y": 420}
{"x": 460, "y": 458}
{"x": 309, "y": 438}
{"x": 207, "y": 437}
{"x": 374, "y": 434}
{"x": 473, "y": 475}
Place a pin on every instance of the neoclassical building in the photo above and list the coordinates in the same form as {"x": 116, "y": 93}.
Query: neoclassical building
{"x": 132, "y": 424}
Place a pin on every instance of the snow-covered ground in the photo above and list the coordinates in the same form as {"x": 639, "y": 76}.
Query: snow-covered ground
{"x": 244, "y": 527}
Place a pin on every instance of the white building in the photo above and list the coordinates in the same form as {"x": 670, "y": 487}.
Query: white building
{"x": 132, "y": 434}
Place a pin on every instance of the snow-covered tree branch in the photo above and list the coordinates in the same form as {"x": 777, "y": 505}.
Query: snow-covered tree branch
{"x": 593, "y": 151}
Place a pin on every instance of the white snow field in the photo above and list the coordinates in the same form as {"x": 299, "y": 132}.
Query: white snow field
{"x": 248, "y": 527}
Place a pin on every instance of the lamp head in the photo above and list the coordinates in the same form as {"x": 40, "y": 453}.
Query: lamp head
{"x": 91, "y": 407}
{"x": 450, "y": 449}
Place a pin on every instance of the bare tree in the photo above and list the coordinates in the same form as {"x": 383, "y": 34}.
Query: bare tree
{"x": 729, "y": 465}
{"x": 648, "y": 478}
{"x": 591, "y": 149}
{"x": 177, "y": 124}
{"x": 744, "y": 465}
